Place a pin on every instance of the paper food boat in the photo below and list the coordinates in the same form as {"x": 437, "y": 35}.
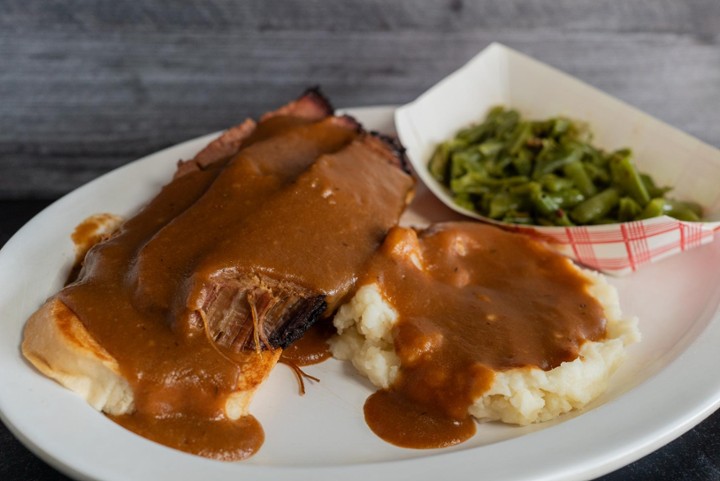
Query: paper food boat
{"x": 501, "y": 76}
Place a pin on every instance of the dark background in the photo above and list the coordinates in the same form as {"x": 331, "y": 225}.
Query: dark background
{"x": 88, "y": 86}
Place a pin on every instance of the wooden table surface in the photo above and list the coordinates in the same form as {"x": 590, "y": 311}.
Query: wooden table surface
{"x": 87, "y": 86}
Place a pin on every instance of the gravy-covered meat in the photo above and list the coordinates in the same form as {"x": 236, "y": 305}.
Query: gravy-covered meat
{"x": 186, "y": 308}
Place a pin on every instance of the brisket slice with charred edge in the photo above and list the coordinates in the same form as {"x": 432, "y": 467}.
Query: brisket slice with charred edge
{"x": 259, "y": 313}
{"x": 249, "y": 311}
{"x": 286, "y": 147}
{"x": 207, "y": 164}
{"x": 311, "y": 105}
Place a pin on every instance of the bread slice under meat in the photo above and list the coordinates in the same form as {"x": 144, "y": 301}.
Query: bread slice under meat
{"x": 60, "y": 347}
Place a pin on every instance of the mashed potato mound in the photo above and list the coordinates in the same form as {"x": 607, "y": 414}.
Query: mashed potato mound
{"x": 518, "y": 396}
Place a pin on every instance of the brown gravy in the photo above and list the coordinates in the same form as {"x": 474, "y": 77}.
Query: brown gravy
{"x": 485, "y": 301}
{"x": 310, "y": 205}
{"x": 218, "y": 439}
{"x": 88, "y": 233}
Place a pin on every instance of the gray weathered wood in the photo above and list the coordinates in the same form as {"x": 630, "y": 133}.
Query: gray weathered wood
{"x": 88, "y": 86}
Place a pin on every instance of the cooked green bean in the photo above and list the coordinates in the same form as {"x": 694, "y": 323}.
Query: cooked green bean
{"x": 553, "y": 183}
{"x": 554, "y": 157}
{"x": 628, "y": 209}
{"x": 596, "y": 207}
{"x": 599, "y": 174}
{"x": 577, "y": 174}
{"x": 688, "y": 211}
{"x": 546, "y": 172}
{"x": 568, "y": 198}
{"x": 679, "y": 210}
{"x": 626, "y": 177}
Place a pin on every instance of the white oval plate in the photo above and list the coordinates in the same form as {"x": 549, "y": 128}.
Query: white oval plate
{"x": 660, "y": 392}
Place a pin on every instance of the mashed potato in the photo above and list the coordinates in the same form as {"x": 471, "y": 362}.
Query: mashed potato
{"x": 517, "y": 396}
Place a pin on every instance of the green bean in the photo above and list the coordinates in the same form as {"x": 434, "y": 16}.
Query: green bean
{"x": 464, "y": 161}
{"x": 464, "y": 201}
{"x": 626, "y": 177}
{"x": 506, "y": 121}
{"x": 553, "y": 183}
{"x": 596, "y": 206}
{"x": 501, "y": 204}
{"x": 518, "y": 218}
{"x": 471, "y": 183}
{"x": 544, "y": 204}
{"x": 548, "y": 207}
{"x": 497, "y": 167}
{"x": 547, "y": 172}
{"x": 490, "y": 148}
{"x": 439, "y": 163}
{"x": 688, "y": 211}
{"x": 523, "y": 162}
{"x": 559, "y": 127}
{"x": 579, "y": 176}
{"x": 598, "y": 173}
{"x": 628, "y": 209}
{"x": 594, "y": 156}
{"x": 568, "y": 198}
{"x": 693, "y": 206}
{"x": 554, "y": 159}
{"x": 474, "y": 134}
{"x": 654, "y": 208}
{"x": 522, "y": 134}
{"x": 679, "y": 210}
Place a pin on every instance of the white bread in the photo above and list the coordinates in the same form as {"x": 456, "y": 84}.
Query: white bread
{"x": 57, "y": 343}
{"x": 59, "y": 346}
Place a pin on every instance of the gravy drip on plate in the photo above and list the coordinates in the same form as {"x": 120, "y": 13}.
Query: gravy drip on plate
{"x": 472, "y": 299}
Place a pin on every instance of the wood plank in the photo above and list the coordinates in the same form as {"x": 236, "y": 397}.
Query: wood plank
{"x": 84, "y": 91}
{"x": 222, "y": 16}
